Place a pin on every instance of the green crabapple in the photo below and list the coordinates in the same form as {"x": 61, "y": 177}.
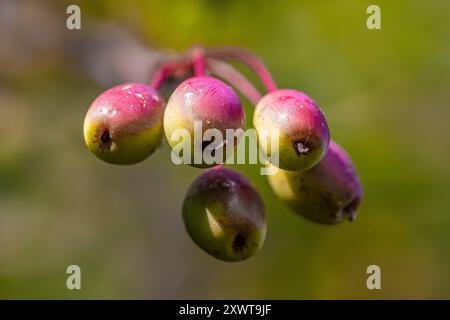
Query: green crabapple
{"x": 328, "y": 193}
{"x": 224, "y": 215}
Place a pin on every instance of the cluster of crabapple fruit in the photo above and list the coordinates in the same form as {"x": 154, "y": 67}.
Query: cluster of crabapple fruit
{"x": 223, "y": 213}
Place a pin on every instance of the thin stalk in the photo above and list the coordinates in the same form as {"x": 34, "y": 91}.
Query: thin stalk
{"x": 246, "y": 57}
{"x": 198, "y": 60}
{"x": 235, "y": 78}
{"x": 167, "y": 69}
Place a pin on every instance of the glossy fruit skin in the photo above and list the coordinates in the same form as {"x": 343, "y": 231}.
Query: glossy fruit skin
{"x": 207, "y": 100}
{"x": 124, "y": 124}
{"x": 224, "y": 215}
{"x": 303, "y": 129}
{"x": 328, "y": 193}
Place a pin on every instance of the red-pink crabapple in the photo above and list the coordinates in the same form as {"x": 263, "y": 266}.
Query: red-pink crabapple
{"x": 303, "y": 130}
{"x": 124, "y": 124}
{"x": 206, "y": 101}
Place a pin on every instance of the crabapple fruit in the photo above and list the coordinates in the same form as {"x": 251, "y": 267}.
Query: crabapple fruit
{"x": 224, "y": 215}
{"x": 124, "y": 124}
{"x": 327, "y": 193}
{"x": 209, "y": 102}
{"x": 303, "y": 130}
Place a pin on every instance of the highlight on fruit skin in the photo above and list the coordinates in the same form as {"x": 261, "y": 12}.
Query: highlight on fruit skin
{"x": 224, "y": 215}
{"x": 303, "y": 129}
{"x": 124, "y": 124}
{"x": 206, "y": 101}
{"x": 328, "y": 193}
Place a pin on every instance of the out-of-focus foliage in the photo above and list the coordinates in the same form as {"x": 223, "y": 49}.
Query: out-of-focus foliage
{"x": 386, "y": 96}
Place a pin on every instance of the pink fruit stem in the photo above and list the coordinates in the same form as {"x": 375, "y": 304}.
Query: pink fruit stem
{"x": 235, "y": 78}
{"x": 165, "y": 70}
{"x": 198, "y": 60}
{"x": 246, "y": 57}
{"x": 160, "y": 76}
{"x": 219, "y": 68}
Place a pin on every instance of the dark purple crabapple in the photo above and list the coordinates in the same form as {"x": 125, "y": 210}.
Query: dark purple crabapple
{"x": 328, "y": 193}
{"x": 224, "y": 215}
{"x": 124, "y": 124}
{"x": 207, "y": 101}
{"x": 303, "y": 130}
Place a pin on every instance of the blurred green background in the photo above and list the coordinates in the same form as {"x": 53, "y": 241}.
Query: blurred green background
{"x": 386, "y": 97}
